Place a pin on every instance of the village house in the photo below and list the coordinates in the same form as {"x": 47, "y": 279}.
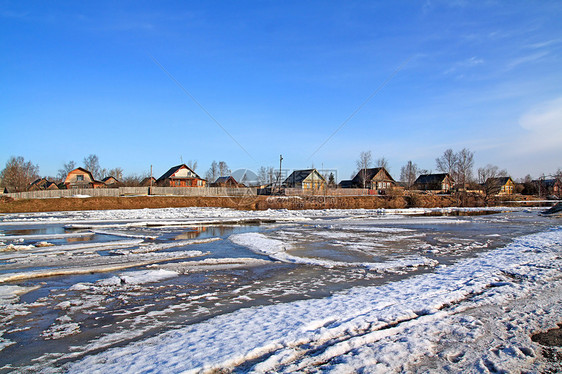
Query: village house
{"x": 551, "y": 187}
{"x": 434, "y": 182}
{"x": 148, "y": 181}
{"x": 229, "y": 182}
{"x": 81, "y": 178}
{"x": 373, "y": 179}
{"x": 111, "y": 182}
{"x": 42, "y": 184}
{"x": 500, "y": 186}
{"x": 180, "y": 176}
{"x": 309, "y": 180}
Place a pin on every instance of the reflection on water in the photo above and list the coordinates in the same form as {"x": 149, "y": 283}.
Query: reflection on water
{"x": 191, "y": 234}
{"x": 85, "y": 238}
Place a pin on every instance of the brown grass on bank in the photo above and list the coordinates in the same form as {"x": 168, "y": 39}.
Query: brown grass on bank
{"x": 409, "y": 200}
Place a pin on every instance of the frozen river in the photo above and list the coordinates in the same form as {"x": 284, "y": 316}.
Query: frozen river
{"x": 197, "y": 289}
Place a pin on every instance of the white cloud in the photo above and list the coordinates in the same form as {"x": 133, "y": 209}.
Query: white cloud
{"x": 544, "y": 127}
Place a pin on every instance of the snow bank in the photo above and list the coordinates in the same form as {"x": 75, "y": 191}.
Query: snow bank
{"x": 138, "y": 277}
{"x": 378, "y": 329}
{"x": 276, "y": 250}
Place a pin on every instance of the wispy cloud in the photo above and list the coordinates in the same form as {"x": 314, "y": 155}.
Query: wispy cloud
{"x": 543, "y": 125}
{"x": 526, "y": 59}
{"x": 465, "y": 64}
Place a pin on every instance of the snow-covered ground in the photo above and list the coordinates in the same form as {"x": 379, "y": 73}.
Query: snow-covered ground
{"x": 204, "y": 289}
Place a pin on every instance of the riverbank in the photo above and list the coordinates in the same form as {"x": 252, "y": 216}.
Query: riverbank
{"x": 246, "y": 203}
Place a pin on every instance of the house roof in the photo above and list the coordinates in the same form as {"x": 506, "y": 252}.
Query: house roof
{"x": 298, "y": 176}
{"x": 499, "y": 180}
{"x": 225, "y": 179}
{"x": 431, "y": 178}
{"x": 174, "y": 169}
{"x": 348, "y": 183}
{"x": 549, "y": 182}
{"x": 104, "y": 180}
{"x": 83, "y": 171}
{"x": 369, "y": 174}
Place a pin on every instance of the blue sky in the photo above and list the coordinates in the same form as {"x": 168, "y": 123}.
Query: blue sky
{"x": 280, "y": 77}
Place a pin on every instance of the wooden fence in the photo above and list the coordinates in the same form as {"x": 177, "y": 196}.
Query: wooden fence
{"x": 135, "y": 191}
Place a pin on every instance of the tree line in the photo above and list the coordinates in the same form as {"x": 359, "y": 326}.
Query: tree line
{"x": 18, "y": 173}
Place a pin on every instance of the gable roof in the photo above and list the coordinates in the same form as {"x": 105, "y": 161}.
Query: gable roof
{"x": 104, "y": 180}
{"x": 499, "y": 180}
{"x": 432, "y": 178}
{"x": 225, "y": 179}
{"x": 175, "y": 169}
{"x": 81, "y": 170}
{"x": 369, "y": 174}
{"x": 298, "y": 176}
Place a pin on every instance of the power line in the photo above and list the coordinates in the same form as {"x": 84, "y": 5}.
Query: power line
{"x": 380, "y": 87}
{"x": 199, "y": 104}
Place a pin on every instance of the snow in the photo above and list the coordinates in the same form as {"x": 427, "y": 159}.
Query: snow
{"x": 389, "y": 328}
{"x": 277, "y": 250}
{"x": 335, "y": 291}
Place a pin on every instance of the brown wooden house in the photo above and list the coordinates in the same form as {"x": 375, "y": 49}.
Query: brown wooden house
{"x": 148, "y": 181}
{"x": 111, "y": 182}
{"x": 42, "y": 184}
{"x": 180, "y": 176}
{"x": 434, "y": 182}
{"x": 499, "y": 186}
{"x": 372, "y": 179}
{"x": 308, "y": 179}
{"x": 81, "y": 178}
{"x": 228, "y": 182}
{"x": 553, "y": 187}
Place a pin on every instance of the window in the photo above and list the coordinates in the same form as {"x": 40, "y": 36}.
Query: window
{"x": 80, "y": 178}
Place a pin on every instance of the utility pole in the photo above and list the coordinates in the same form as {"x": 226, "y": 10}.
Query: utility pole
{"x": 280, "y": 161}
{"x": 150, "y": 189}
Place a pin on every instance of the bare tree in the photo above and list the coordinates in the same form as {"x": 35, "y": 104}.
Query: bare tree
{"x": 446, "y": 163}
{"x": 463, "y": 166}
{"x": 134, "y": 180}
{"x": 66, "y": 168}
{"x": 18, "y": 173}
{"x": 409, "y": 173}
{"x": 223, "y": 169}
{"x": 192, "y": 164}
{"x": 116, "y": 173}
{"x": 213, "y": 172}
{"x": 490, "y": 171}
{"x": 266, "y": 175}
{"x": 92, "y": 164}
{"x": 382, "y": 163}
{"x": 363, "y": 163}
{"x": 459, "y": 165}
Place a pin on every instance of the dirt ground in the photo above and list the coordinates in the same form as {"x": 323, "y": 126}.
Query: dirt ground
{"x": 244, "y": 203}
{"x": 8, "y": 205}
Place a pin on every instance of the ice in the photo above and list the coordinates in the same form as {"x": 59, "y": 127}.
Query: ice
{"x": 139, "y": 277}
{"x": 277, "y": 250}
{"x": 336, "y": 291}
{"x": 378, "y": 329}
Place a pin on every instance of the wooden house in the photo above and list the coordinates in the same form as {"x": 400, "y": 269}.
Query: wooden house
{"x": 81, "y": 178}
{"x": 111, "y": 182}
{"x": 228, "y": 182}
{"x": 308, "y": 179}
{"x": 372, "y": 179}
{"x": 42, "y": 184}
{"x": 180, "y": 176}
{"x": 499, "y": 186}
{"x": 434, "y": 182}
{"x": 148, "y": 181}
{"x": 553, "y": 187}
